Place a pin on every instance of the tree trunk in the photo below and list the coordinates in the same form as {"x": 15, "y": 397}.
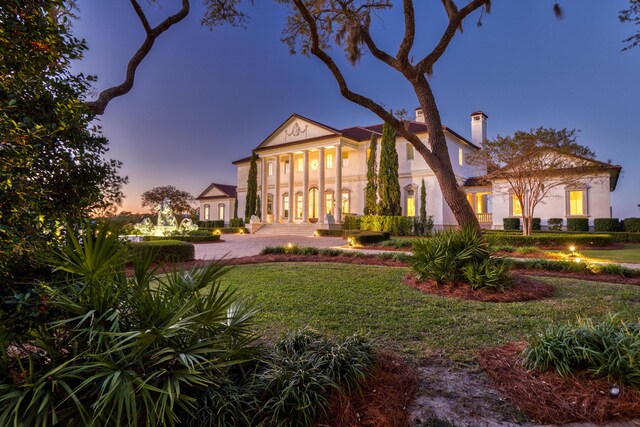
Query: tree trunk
{"x": 456, "y": 199}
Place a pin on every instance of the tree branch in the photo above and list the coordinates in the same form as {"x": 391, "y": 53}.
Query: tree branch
{"x": 99, "y": 105}
{"x": 409, "y": 32}
{"x": 426, "y": 64}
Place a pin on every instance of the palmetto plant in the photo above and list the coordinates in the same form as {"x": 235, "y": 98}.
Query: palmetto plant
{"x": 124, "y": 351}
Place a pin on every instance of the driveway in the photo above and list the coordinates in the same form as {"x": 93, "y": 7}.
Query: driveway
{"x": 241, "y": 245}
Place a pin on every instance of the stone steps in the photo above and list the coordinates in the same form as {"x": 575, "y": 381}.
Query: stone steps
{"x": 288, "y": 229}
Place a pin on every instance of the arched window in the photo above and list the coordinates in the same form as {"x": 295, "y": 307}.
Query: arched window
{"x": 206, "y": 213}
{"x": 299, "y": 205}
{"x": 314, "y": 203}
{"x": 346, "y": 201}
{"x": 285, "y": 205}
{"x": 221, "y": 211}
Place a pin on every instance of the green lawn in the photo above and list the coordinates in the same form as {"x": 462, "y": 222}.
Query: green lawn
{"x": 341, "y": 299}
{"x": 630, "y": 253}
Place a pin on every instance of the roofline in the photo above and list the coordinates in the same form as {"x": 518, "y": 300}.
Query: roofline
{"x": 216, "y": 197}
{"x": 322, "y": 125}
{"x": 460, "y": 137}
{"x": 214, "y": 184}
{"x": 243, "y": 160}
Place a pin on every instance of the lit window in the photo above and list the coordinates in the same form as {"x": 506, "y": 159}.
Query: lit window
{"x": 207, "y": 212}
{"x": 286, "y": 167}
{"x": 314, "y": 206}
{"x": 345, "y": 160}
{"x": 285, "y": 205}
{"x": 269, "y": 204}
{"x": 299, "y": 205}
{"x": 346, "y": 196}
{"x": 328, "y": 201}
{"x": 314, "y": 164}
{"x": 270, "y": 168}
{"x": 329, "y": 161}
{"x": 300, "y": 164}
{"x": 411, "y": 202}
{"x": 460, "y": 156}
{"x": 221, "y": 211}
{"x": 410, "y": 154}
{"x": 576, "y": 202}
{"x": 516, "y": 208}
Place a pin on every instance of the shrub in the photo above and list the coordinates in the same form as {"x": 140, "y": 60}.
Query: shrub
{"x": 632, "y": 225}
{"x": 536, "y": 224}
{"x": 511, "y": 223}
{"x": 163, "y": 250}
{"x": 526, "y": 250}
{"x": 191, "y": 239}
{"x": 577, "y": 224}
{"x": 555, "y": 224}
{"x": 422, "y": 227}
{"x": 606, "y": 224}
{"x": 607, "y": 349}
{"x": 443, "y": 256}
{"x": 236, "y": 222}
{"x": 552, "y": 239}
{"x": 398, "y": 243}
{"x": 324, "y": 233}
{"x": 211, "y": 224}
{"x": 487, "y": 274}
{"x": 571, "y": 266}
{"x": 625, "y": 237}
{"x": 396, "y": 225}
{"x": 351, "y": 222}
{"x": 370, "y": 238}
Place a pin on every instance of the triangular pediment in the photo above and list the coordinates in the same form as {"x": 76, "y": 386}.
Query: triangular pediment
{"x": 297, "y": 128}
{"x": 213, "y": 191}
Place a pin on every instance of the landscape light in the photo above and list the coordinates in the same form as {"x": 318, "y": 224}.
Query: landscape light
{"x": 290, "y": 245}
{"x": 572, "y": 248}
{"x": 614, "y": 390}
{"x": 217, "y": 232}
{"x": 577, "y": 259}
{"x": 315, "y": 233}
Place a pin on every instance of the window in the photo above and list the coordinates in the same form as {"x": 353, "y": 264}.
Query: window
{"x": 299, "y": 205}
{"x": 410, "y": 154}
{"x": 314, "y": 203}
{"x": 285, "y": 205}
{"x": 577, "y": 202}
{"x": 207, "y": 212}
{"x": 345, "y": 160}
{"x": 300, "y": 164}
{"x": 221, "y": 211}
{"x": 460, "y": 156}
{"x": 516, "y": 208}
{"x": 346, "y": 199}
{"x": 328, "y": 202}
{"x": 269, "y": 204}
{"x": 286, "y": 167}
{"x": 411, "y": 202}
{"x": 329, "y": 161}
{"x": 270, "y": 168}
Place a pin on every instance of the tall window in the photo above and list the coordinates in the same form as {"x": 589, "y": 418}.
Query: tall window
{"x": 329, "y": 161}
{"x": 410, "y": 154}
{"x": 516, "y": 209}
{"x": 207, "y": 212}
{"x": 460, "y": 156}
{"x": 346, "y": 201}
{"x": 411, "y": 202}
{"x": 314, "y": 205}
{"x": 270, "y": 168}
{"x": 221, "y": 211}
{"x": 300, "y": 164}
{"x": 328, "y": 202}
{"x": 299, "y": 205}
{"x": 285, "y": 205}
{"x": 577, "y": 202}
{"x": 269, "y": 204}
{"x": 286, "y": 167}
{"x": 345, "y": 160}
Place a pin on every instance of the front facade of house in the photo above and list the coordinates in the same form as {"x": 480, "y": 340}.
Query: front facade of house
{"x": 309, "y": 172}
{"x": 216, "y": 202}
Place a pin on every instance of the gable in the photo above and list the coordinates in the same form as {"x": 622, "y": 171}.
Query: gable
{"x": 218, "y": 191}
{"x": 213, "y": 192}
{"x": 297, "y": 128}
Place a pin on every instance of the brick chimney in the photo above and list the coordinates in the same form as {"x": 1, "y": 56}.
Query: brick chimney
{"x": 478, "y": 127}
{"x": 419, "y": 115}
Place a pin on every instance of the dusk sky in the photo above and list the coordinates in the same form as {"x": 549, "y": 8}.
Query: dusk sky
{"x": 205, "y": 98}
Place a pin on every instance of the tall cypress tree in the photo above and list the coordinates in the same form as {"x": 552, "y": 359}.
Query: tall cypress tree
{"x": 388, "y": 184}
{"x": 371, "y": 190}
{"x": 235, "y": 208}
{"x": 252, "y": 187}
{"x": 423, "y": 202}
{"x": 258, "y": 212}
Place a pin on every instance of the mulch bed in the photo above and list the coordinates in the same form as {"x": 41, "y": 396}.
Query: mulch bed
{"x": 608, "y": 278}
{"x": 546, "y": 397}
{"x": 383, "y": 400}
{"x": 523, "y": 289}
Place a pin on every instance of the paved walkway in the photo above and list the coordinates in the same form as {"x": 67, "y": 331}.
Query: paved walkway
{"x": 241, "y": 245}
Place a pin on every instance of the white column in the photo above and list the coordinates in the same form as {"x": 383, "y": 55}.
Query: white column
{"x": 321, "y": 197}
{"x": 276, "y": 193}
{"x": 263, "y": 198}
{"x": 291, "y": 195}
{"x": 338, "y": 193}
{"x": 305, "y": 187}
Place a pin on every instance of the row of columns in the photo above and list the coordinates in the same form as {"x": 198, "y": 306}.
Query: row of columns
{"x": 305, "y": 187}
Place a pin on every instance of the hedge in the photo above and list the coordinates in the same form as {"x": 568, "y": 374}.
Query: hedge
{"x": 577, "y": 224}
{"x": 606, "y": 224}
{"x": 370, "y": 237}
{"x": 580, "y": 267}
{"x": 351, "y": 222}
{"x": 230, "y": 230}
{"x": 396, "y": 225}
{"x": 536, "y": 224}
{"x": 555, "y": 224}
{"x": 511, "y": 223}
{"x": 553, "y": 239}
{"x": 631, "y": 225}
{"x": 211, "y": 224}
{"x": 324, "y": 233}
{"x": 236, "y": 222}
{"x": 192, "y": 239}
{"x": 164, "y": 250}
{"x": 625, "y": 237}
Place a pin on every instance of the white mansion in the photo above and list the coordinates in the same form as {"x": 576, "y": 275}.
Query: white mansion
{"x": 307, "y": 170}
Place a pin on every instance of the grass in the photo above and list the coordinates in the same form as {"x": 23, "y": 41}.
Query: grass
{"x": 341, "y": 299}
{"x": 630, "y": 253}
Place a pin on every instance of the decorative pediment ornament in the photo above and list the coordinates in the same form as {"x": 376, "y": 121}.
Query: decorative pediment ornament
{"x": 296, "y": 130}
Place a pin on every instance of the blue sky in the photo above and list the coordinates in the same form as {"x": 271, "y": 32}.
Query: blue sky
{"x": 205, "y": 98}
